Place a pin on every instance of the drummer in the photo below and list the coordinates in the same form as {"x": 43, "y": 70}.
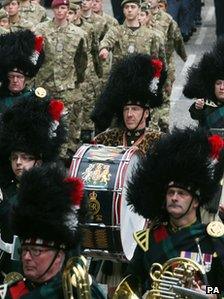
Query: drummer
{"x": 134, "y": 86}
{"x": 123, "y": 109}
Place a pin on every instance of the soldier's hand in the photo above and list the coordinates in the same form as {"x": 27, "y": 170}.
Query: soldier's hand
{"x": 198, "y": 287}
{"x": 103, "y": 54}
{"x": 199, "y": 104}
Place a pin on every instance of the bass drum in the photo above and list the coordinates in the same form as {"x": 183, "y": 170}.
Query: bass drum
{"x": 108, "y": 233}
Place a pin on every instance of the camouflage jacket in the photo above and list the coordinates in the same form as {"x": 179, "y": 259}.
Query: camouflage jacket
{"x": 164, "y": 22}
{"x": 179, "y": 46}
{"x": 99, "y": 25}
{"x": 94, "y": 65}
{"x": 111, "y": 21}
{"x": 20, "y": 25}
{"x": 116, "y": 137}
{"x": 65, "y": 56}
{"x": 3, "y": 30}
{"x": 122, "y": 40}
{"x": 34, "y": 13}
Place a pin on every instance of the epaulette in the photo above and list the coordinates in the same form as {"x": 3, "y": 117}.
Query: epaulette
{"x": 142, "y": 238}
{"x": 12, "y": 278}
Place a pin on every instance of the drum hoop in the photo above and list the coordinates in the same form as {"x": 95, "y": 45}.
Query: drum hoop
{"x": 119, "y": 182}
{"x": 76, "y": 160}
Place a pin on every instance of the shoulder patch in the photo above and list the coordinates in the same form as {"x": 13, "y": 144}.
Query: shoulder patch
{"x": 142, "y": 239}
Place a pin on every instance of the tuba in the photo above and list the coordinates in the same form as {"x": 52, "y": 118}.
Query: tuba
{"x": 75, "y": 275}
{"x": 172, "y": 280}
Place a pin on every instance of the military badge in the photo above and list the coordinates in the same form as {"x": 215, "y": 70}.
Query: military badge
{"x": 215, "y": 229}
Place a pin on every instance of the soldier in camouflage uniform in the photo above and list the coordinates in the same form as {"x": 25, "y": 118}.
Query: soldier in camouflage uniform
{"x": 145, "y": 19}
{"x": 4, "y": 21}
{"x": 178, "y": 46}
{"x": 64, "y": 66}
{"x": 98, "y": 9}
{"x": 32, "y": 12}
{"x": 46, "y": 243}
{"x": 91, "y": 86}
{"x": 131, "y": 37}
{"x": 173, "y": 41}
{"x": 100, "y": 26}
{"x": 16, "y": 22}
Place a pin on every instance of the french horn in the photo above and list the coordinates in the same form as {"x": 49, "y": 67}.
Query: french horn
{"x": 174, "y": 279}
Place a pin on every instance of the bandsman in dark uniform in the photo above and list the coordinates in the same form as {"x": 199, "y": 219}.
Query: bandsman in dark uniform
{"x": 205, "y": 82}
{"x": 21, "y": 56}
{"x": 31, "y": 133}
{"x": 46, "y": 220}
{"x": 178, "y": 176}
{"x": 132, "y": 89}
{"x": 124, "y": 108}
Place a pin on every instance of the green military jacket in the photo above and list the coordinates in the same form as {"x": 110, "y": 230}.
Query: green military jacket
{"x": 65, "y": 57}
{"x": 99, "y": 24}
{"x": 33, "y": 13}
{"x": 122, "y": 40}
{"x": 9, "y": 100}
{"x": 21, "y": 24}
{"x": 162, "y": 21}
{"x": 111, "y": 21}
{"x": 94, "y": 64}
{"x": 161, "y": 242}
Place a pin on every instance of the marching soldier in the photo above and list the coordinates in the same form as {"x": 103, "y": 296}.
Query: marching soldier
{"x": 173, "y": 41}
{"x": 131, "y": 37}
{"x": 16, "y": 22}
{"x": 91, "y": 86}
{"x": 98, "y": 9}
{"x": 64, "y": 67}
{"x": 100, "y": 25}
{"x": 32, "y": 12}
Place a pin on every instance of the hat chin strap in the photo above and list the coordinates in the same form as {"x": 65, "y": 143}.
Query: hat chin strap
{"x": 50, "y": 265}
{"x": 181, "y": 216}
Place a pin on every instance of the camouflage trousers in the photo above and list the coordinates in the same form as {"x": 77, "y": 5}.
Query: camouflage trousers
{"x": 72, "y": 100}
{"x": 90, "y": 91}
{"x": 160, "y": 117}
